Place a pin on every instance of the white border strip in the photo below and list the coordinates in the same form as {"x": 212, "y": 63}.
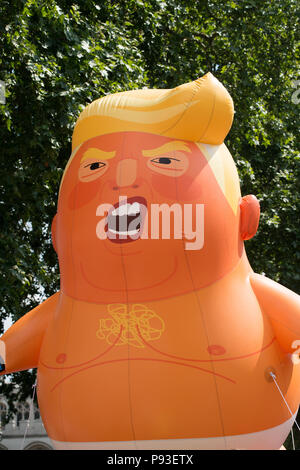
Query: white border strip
{"x": 270, "y": 439}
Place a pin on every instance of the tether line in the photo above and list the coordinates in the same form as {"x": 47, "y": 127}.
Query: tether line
{"x": 286, "y": 403}
{"x": 30, "y": 410}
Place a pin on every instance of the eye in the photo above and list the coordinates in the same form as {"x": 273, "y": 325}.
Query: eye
{"x": 172, "y": 166}
{"x": 95, "y": 165}
{"x": 164, "y": 160}
{"x": 90, "y": 170}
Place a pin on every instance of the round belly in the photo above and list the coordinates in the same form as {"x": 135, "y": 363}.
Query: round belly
{"x": 152, "y": 398}
{"x": 121, "y": 400}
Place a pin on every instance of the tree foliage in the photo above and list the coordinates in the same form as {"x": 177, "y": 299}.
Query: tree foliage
{"x": 56, "y": 56}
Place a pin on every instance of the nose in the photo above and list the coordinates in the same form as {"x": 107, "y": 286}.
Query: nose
{"x": 126, "y": 172}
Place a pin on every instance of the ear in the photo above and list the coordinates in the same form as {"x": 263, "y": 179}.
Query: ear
{"x": 53, "y": 232}
{"x": 249, "y": 216}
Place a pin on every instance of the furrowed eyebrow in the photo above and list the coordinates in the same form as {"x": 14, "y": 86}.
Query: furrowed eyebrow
{"x": 166, "y": 148}
{"x": 95, "y": 153}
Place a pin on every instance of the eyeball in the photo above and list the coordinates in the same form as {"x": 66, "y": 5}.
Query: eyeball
{"x": 174, "y": 164}
{"x": 91, "y": 169}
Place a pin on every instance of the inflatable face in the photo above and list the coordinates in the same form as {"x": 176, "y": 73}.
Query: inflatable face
{"x": 148, "y": 171}
{"x": 161, "y": 336}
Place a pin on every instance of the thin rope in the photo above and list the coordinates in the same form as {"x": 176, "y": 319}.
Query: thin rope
{"x": 31, "y": 408}
{"x": 275, "y": 381}
{"x": 293, "y": 441}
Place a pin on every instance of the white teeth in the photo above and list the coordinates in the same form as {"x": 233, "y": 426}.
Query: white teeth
{"x": 127, "y": 209}
{"x": 121, "y": 210}
{"x": 127, "y": 233}
{"x": 135, "y": 208}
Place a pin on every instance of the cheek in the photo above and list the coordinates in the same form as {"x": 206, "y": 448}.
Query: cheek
{"x": 184, "y": 188}
{"x": 190, "y": 189}
{"x": 164, "y": 186}
{"x": 82, "y": 194}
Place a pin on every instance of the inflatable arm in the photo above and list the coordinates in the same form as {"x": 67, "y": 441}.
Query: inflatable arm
{"x": 20, "y": 345}
{"x": 282, "y": 307}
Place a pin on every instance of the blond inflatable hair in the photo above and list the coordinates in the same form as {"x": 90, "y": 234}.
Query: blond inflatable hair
{"x": 198, "y": 111}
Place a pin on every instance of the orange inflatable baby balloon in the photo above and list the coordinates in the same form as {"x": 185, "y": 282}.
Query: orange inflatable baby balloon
{"x": 161, "y": 336}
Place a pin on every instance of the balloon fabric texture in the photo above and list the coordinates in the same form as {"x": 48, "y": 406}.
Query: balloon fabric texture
{"x": 161, "y": 336}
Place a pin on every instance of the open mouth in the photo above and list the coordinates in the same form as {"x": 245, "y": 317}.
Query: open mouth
{"x": 125, "y": 221}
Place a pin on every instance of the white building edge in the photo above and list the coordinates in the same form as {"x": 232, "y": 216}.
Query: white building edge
{"x": 25, "y": 431}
